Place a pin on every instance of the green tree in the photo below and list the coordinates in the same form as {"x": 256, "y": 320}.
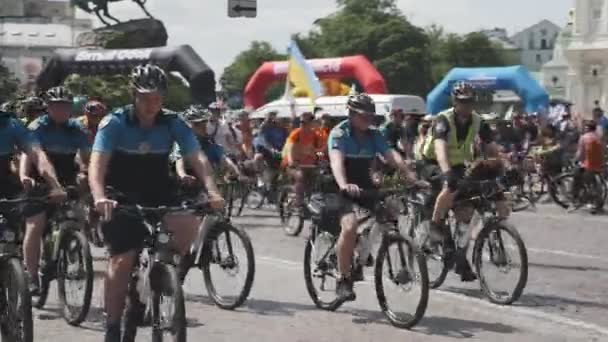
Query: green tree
{"x": 8, "y": 84}
{"x": 378, "y": 30}
{"x": 237, "y": 74}
{"x": 114, "y": 90}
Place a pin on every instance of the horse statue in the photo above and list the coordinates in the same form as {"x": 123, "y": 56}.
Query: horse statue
{"x": 102, "y": 6}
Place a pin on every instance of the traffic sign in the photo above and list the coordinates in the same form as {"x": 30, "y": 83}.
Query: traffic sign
{"x": 242, "y": 8}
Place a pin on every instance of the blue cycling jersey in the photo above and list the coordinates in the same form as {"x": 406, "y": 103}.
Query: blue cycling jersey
{"x": 13, "y": 136}
{"x": 358, "y": 154}
{"x": 61, "y": 142}
{"x": 213, "y": 151}
{"x": 139, "y": 165}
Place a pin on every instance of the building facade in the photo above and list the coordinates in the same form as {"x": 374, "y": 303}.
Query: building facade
{"x": 30, "y": 32}
{"x": 580, "y": 69}
{"x": 536, "y": 44}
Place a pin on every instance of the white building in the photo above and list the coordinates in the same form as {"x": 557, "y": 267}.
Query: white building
{"x": 536, "y": 44}
{"x": 31, "y": 30}
{"x": 582, "y": 55}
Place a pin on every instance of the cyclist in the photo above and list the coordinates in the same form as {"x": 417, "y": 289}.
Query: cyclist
{"x": 353, "y": 145}
{"x": 61, "y": 138}
{"x": 590, "y": 153}
{"x": 451, "y": 146}
{"x": 243, "y": 125}
{"x": 394, "y": 131}
{"x": 300, "y": 154}
{"x": 197, "y": 118}
{"x": 423, "y": 130}
{"x": 131, "y": 154}
{"x": 32, "y": 108}
{"x": 13, "y": 136}
{"x": 94, "y": 111}
{"x": 268, "y": 146}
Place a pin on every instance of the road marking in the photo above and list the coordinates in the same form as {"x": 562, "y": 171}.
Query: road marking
{"x": 564, "y": 253}
{"x": 553, "y": 318}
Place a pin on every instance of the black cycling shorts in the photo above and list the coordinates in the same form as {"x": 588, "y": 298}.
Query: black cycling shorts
{"x": 126, "y": 231}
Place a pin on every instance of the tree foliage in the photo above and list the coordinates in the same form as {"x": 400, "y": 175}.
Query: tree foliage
{"x": 411, "y": 59}
{"x": 114, "y": 90}
{"x": 8, "y": 84}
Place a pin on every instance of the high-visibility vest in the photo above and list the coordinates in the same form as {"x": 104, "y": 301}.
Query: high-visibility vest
{"x": 458, "y": 153}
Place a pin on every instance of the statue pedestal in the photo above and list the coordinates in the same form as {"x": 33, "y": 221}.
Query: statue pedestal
{"x": 132, "y": 34}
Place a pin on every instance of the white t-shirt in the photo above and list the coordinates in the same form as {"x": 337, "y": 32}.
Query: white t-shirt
{"x": 225, "y": 137}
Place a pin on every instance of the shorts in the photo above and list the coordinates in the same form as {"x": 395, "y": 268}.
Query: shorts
{"x": 126, "y": 230}
{"x": 309, "y": 174}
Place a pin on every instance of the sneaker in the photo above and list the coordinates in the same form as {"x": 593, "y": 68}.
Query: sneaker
{"x": 112, "y": 333}
{"x": 464, "y": 270}
{"x": 344, "y": 290}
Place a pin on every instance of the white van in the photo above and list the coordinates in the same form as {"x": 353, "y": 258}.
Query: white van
{"x": 336, "y": 105}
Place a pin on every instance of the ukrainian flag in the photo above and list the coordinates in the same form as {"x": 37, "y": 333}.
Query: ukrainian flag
{"x": 300, "y": 74}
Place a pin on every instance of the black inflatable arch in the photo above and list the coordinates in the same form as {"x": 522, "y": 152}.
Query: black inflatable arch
{"x": 182, "y": 59}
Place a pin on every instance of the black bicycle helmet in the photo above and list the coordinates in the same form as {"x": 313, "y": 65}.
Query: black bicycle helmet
{"x": 463, "y": 91}
{"x": 197, "y": 113}
{"x": 59, "y": 94}
{"x": 148, "y": 78}
{"x": 361, "y": 103}
{"x": 33, "y": 104}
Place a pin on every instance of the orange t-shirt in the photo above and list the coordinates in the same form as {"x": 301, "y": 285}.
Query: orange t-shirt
{"x": 323, "y": 133}
{"x": 593, "y": 160}
{"x": 305, "y": 146}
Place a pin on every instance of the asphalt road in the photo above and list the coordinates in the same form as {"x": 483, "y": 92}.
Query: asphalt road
{"x": 566, "y": 298}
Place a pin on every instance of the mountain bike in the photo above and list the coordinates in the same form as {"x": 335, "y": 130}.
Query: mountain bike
{"x": 489, "y": 246}
{"x": 66, "y": 257}
{"x": 15, "y": 302}
{"x": 399, "y": 263}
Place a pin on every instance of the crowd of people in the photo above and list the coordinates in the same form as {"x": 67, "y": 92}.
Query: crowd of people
{"x": 142, "y": 149}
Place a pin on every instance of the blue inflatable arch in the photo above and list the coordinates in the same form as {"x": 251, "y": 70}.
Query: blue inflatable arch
{"x": 515, "y": 78}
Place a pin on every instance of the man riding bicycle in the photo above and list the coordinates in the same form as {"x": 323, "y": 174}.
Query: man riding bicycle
{"x": 450, "y": 147}
{"x": 300, "y": 154}
{"x": 131, "y": 154}
{"x": 197, "y": 118}
{"x": 62, "y": 138}
{"x": 353, "y": 146}
{"x": 94, "y": 111}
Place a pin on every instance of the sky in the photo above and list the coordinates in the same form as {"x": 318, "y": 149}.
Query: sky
{"x": 205, "y": 25}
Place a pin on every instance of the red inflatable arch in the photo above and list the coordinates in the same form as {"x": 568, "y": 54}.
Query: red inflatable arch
{"x": 357, "y": 67}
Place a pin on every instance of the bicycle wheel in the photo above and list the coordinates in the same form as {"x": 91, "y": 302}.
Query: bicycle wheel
{"x": 220, "y": 253}
{"x": 291, "y": 218}
{"x": 491, "y": 247}
{"x": 520, "y": 201}
{"x": 75, "y": 265}
{"x": 403, "y": 268}
{"x": 560, "y": 190}
{"x": 437, "y": 266}
{"x": 167, "y": 309}
{"x": 321, "y": 263}
{"x": 16, "y": 316}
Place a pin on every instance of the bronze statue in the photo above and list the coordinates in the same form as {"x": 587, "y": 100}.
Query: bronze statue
{"x": 102, "y": 6}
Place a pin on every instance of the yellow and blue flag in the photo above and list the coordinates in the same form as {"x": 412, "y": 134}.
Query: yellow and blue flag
{"x": 301, "y": 74}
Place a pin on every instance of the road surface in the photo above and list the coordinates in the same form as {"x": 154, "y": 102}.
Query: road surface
{"x": 566, "y": 298}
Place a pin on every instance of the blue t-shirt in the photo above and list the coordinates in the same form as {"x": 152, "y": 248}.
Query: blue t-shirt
{"x": 14, "y": 136}
{"x": 358, "y": 155}
{"x": 274, "y": 137}
{"x": 139, "y": 165}
{"x": 61, "y": 142}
